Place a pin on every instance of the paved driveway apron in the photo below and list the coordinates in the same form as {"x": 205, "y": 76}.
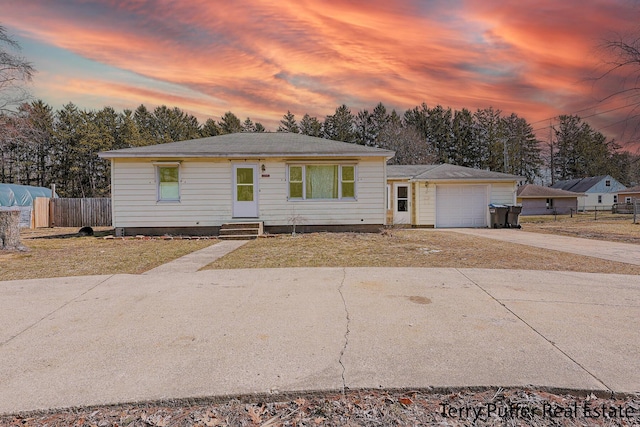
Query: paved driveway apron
{"x": 612, "y": 251}
{"x": 126, "y": 338}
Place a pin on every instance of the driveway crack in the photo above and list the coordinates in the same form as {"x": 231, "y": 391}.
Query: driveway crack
{"x": 53, "y": 312}
{"x": 346, "y": 333}
{"x": 553, "y": 344}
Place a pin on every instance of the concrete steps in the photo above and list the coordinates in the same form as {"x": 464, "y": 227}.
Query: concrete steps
{"x": 241, "y": 230}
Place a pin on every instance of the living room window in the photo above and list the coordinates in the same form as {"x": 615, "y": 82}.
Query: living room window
{"x": 309, "y": 182}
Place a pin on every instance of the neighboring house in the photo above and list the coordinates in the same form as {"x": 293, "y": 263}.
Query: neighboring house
{"x": 539, "y": 200}
{"x": 629, "y": 195}
{"x": 601, "y": 192}
{"x": 277, "y": 179}
{"x": 446, "y": 195}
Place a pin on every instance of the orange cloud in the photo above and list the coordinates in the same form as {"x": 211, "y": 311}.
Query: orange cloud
{"x": 260, "y": 58}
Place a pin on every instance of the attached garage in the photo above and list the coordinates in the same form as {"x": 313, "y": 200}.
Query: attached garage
{"x": 461, "y": 205}
{"x": 446, "y": 196}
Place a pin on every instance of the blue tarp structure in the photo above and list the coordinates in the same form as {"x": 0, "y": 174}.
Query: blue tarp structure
{"x": 21, "y": 195}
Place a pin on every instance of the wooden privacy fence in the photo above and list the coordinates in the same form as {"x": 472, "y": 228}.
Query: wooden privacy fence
{"x": 72, "y": 212}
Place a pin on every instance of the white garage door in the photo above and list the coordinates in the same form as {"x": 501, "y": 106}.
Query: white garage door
{"x": 461, "y": 205}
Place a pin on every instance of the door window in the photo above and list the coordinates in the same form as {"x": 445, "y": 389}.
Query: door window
{"x": 244, "y": 184}
{"x": 402, "y": 198}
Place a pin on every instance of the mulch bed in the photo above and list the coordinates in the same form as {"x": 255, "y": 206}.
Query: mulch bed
{"x": 496, "y": 407}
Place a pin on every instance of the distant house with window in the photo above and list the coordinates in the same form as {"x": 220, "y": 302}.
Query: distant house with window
{"x": 601, "y": 192}
{"x": 629, "y": 195}
{"x": 539, "y": 200}
{"x": 279, "y": 179}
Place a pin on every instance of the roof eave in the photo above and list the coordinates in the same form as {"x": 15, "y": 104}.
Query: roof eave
{"x": 514, "y": 179}
{"x": 550, "y": 196}
{"x": 108, "y": 155}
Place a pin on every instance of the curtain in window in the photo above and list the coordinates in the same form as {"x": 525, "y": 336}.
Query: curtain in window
{"x": 322, "y": 182}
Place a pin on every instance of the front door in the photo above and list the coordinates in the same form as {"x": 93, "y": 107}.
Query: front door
{"x": 245, "y": 190}
{"x": 401, "y": 212}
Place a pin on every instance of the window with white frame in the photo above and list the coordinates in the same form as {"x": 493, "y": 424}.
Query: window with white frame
{"x": 615, "y": 198}
{"x": 168, "y": 179}
{"x": 599, "y": 199}
{"x": 627, "y": 199}
{"x": 322, "y": 181}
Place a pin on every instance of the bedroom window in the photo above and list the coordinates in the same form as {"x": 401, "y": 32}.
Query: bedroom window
{"x": 309, "y": 182}
{"x": 168, "y": 183}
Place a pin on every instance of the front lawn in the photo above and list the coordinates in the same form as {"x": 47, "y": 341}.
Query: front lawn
{"x": 53, "y": 256}
{"x": 406, "y": 248}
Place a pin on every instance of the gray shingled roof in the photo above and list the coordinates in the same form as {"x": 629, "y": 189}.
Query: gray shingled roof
{"x": 407, "y": 171}
{"x": 237, "y": 145}
{"x": 446, "y": 172}
{"x": 578, "y": 185}
{"x": 538, "y": 191}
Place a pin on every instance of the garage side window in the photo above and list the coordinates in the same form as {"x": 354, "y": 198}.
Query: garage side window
{"x": 168, "y": 183}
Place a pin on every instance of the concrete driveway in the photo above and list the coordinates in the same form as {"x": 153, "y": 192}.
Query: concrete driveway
{"x": 125, "y": 338}
{"x": 613, "y": 251}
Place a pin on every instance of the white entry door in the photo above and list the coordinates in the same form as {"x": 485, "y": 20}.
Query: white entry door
{"x": 245, "y": 190}
{"x": 401, "y": 197}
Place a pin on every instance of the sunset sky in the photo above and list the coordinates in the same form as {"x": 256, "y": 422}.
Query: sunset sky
{"x": 260, "y": 58}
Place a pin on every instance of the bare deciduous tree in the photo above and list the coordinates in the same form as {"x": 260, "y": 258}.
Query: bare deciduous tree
{"x": 15, "y": 72}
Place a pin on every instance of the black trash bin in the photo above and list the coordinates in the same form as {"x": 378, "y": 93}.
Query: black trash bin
{"x": 512, "y": 217}
{"x": 498, "y": 215}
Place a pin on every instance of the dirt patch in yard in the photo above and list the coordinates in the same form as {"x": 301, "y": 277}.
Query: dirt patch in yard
{"x": 407, "y": 248}
{"x": 56, "y": 254}
{"x": 603, "y": 226}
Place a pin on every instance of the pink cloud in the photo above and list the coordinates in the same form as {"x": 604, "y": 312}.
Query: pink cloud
{"x": 264, "y": 57}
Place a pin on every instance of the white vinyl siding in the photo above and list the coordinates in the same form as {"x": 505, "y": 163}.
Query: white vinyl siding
{"x": 426, "y": 200}
{"x": 503, "y": 193}
{"x": 206, "y": 196}
{"x": 368, "y": 208}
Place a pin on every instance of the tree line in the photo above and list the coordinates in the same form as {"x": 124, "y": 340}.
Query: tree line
{"x": 40, "y": 146}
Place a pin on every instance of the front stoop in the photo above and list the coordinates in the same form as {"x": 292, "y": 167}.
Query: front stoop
{"x": 241, "y": 230}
